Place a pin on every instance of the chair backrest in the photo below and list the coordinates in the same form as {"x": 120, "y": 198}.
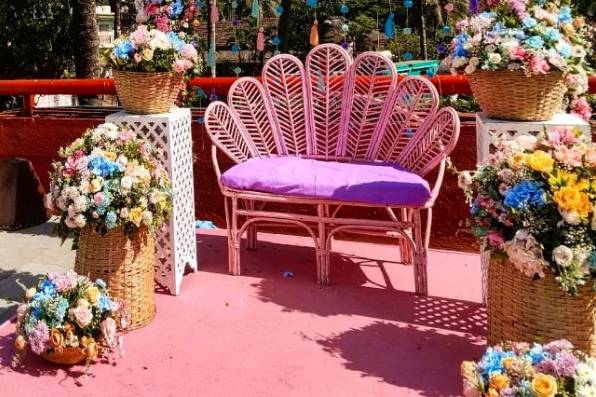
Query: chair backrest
{"x": 334, "y": 108}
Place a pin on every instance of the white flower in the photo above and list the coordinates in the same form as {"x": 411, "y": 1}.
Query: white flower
{"x": 458, "y": 62}
{"x": 72, "y": 211}
{"x": 159, "y": 40}
{"x": 61, "y": 203}
{"x": 80, "y": 204}
{"x": 84, "y": 186}
{"x": 464, "y": 179}
{"x": 563, "y": 255}
{"x": 126, "y": 182}
{"x": 147, "y": 218}
{"x": 470, "y": 69}
{"x": 490, "y": 48}
{"x": 124, "y": 213}
{"x": 474, "y": 61}
{"x": 69, "y": 222}
{"x": 506, "y": 175}
{"x": 153, "y": 197}
{"x": 495, "y": 58}
{"x": 80, "y": 221}
{"x": 571, "y": 217}
{"x": 526, "y": 141}
{"x": 586, "y": 391}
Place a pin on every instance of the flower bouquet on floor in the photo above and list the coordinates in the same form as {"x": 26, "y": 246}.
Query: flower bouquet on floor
{"x": 148, "y": 68}
{"x": 534, "y": 203}
{"x": 66, "y": 318}
{"x": 522, "y": 56}
{"x": 111, "y": 192}
{"x": 524, "y": 370}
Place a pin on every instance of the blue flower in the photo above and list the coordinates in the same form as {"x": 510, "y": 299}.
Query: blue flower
{"x": 124, "y": 50}
{"x": 111, "y": 219}
{"x": 492, "y": 362}
{"x": 552, "y": 34}
{"x": 536, "y": 354}
{"x": 103, "y": 302}
{"x": 47, "y": 288}
{"x": 518, "y": 34}
{"x": 524, "y": 194}
{"x": 535, "y": 42}
{"x": 459, "y": 42}
{"x": 564, "y": 49}
{"x": 61, "y": 307}
{"x": 529, "y": 22}
{"x": 100, "y": 283}
{"x": 176, "y": 42}
{"x": 103, "y": 167}
{"x": 499, "y": 27}
{"x": 565, "y": 15}
{"x": 177, "y": 8}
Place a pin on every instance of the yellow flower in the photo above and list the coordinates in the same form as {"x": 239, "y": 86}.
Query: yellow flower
{"x": 583, "y": 184}
{"x": 570, "y": 198}
{"x": 93, "y": 294}
{"x": 541, "y": 161}
{"x": 468, "y": 370}
{"x": 110, "y": 156}
{"x": 163, "y": 200}
{"x": 56, "y": 338}
{"x": 136, "y": 215}
{"x": 561, "y": 178}
{"x": 544, "y": 385}
{"x": 492, "y": 393}
{"x": 96, "y": 184}
{"x": 499, "y": 381}
{"x": 518, "y": 160}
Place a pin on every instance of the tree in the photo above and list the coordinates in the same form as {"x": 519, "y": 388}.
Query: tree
{"x": 86, "y": 39}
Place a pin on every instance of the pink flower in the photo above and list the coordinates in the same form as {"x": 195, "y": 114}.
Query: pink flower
{"x": 449, "y": 7}
{"x": 140, "y": 36}
{"x": 189, "y": 52}
{"x": 151, "y": 9}
{"x": 567, "y": 135}
{"x": 83, "y": 316}
{"x": 582, "y": 108}
{"x": 591, "y": 157}
{"x": 126, "y": 135}
{"x": 99, "y": 198}
{"x": 495, "y": 239}
{"x": 108, "y": 330}
{"x": 572, "y": 157}
{"x": 538, "y": 65}
{"x": 64, "y": 282}
{"x": 182, "y": 65}
{"x": 75, "y": 163}
{"x": 518, "y": 53}
{"x": 162, "y": 23}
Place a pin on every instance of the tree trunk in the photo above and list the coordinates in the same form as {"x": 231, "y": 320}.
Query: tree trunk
{"x": 423, "y": 45}
{"x": 116, "y": 7}
{"x": 86, "y": 43}
{"x": 439, "y": 13}
{"x": 284, "y": 25}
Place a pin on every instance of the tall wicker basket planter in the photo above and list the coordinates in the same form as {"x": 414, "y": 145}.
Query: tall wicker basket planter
{"x": 147, "y": 93}
{"x": 521, "y": 309}
{"x": 511, "y": 95}
{"x": 125, "y": 265}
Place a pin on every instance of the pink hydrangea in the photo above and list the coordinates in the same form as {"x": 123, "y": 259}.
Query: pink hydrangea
{"x": 39, "y": 337}
{"x": 518, "y": 53}
{"x": 582, "y": 108}
{"x": 75, "y": 163}
{"x": 189, "y": 52}
{"x": 140, "y": 36}
{"x": 569, "y": 156}
{"x": 108, "y": 330}
{"x": 99, "y": 198}
{"x": 162, "y": 23}
{"x": 63, "y": 282}
{"x": 126, "y": 135}
{"x": 495, "y": 239}
{"x": 591, "y": 157}
{"x": 182, "y": 65}
{"x": 538, "y": 65}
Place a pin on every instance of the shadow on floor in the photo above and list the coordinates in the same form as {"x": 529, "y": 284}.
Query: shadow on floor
{"x": 351, "y": 292}
{"x": 376, "y": 351}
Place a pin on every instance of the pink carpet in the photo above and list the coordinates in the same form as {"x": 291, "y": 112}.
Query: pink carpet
{"x": 263, "y": 334}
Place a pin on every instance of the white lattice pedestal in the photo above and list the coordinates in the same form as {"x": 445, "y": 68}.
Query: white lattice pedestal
{"x": 176, "y": 240}
{"x": 488, "y": 129}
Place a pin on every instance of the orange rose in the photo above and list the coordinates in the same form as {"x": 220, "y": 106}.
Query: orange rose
{"x": 20, "y": 342}
{"x": 56, "y": 338}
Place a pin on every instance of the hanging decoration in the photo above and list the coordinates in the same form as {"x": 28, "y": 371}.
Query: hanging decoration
{"x": 312, "y": 3}
{"x": 214, "y": 12}
{"x": 261, "y": 40}
{"x": 314, "y": 33}
{"x": 278, "y": 10}
{"x": 474, "y": 6}
{"x": 345, "y": 27}
{"x": 255, "y": 9}
{"x": 390, "y": 26}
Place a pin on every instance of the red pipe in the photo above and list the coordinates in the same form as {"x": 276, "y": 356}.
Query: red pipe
{"x": 446, "y": 85}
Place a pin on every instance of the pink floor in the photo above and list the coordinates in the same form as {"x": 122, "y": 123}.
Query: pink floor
{"x": 264, "y": 334}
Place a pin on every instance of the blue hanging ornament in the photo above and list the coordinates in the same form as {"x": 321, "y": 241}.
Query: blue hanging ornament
{"x": 211, "y": 57}
{"x": 201, "y": 93}
{"x": 344, "y": 9}
{"x": 200, "y": 4}
{"x": 275, "y": 40}
{"x": 311, "y": 3}
{"x": 407, "y": 56}
{"x": 201, "y": 120}
{"x": 344, "y": 44}
{"x": 390, "y": 26}
{"x": 278, "y": 10}
{"x": 408, "y": 3}
{"x": 474, "y": 6}
{"x": 255, "y": 9}
{"x": 446, "y": 29}
{"x": 345, "y": 28}
{"x": 235, "y": 47}
{"x": 237, "y": 70}
{"x": 441, "y": 49}
{"x": 234, "y": 4}
{"x": 407, "y": 31}
{"x": 213, "y": 97}
{"x": 276, "y": 52}
{"x": 235, "y": 22}
{"x": 430, "y": 72}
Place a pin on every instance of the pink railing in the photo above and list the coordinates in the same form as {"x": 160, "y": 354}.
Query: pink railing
{"x": 446, "y": 85}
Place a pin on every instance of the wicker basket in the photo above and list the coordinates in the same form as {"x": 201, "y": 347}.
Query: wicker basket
{"x": 511, "y": 95}
{"x": 66, "y": 356}
{"x": 521, "y": 309}
{"x": 126, "y": 265}
{"x": 147, "y": 93}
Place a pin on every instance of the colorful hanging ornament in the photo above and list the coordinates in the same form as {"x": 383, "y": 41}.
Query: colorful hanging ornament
{"x": 278, "y": 10}
{"x": 314, "y": 33}
{"x": 446, "y": 29}
{"x": 260, "y": 40}
{"x": 234, "y": 4}
{"x": 214, "y": 12}
{"x": 407, "y": 31}
{"x": 211, "y": 57}
{"x": 255, "y": 9}
{"x": 344, "y": 44}
{"x": 474, "y": 6}
{"x": 235, "y": 48}
{"x": 345, "y": 28}
{"x": 407, "y": 56}
{"x": 311, "y": 3}
{"x": 344, "y": 9}
{"x": 213, "y": 97}
{"x": 408, "y": 3}
{"x": 237, "y": 70}
{"x": 200, "y": 3}
{"x": 390, "y": 26}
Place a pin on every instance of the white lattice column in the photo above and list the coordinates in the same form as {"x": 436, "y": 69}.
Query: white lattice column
{"x": 488, "y": 129}
{"x": 176, "y": 240}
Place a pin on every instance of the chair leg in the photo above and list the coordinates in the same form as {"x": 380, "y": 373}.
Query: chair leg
{"x": 429, "y": 222}
{"x": 322, "y": 250}
{"x": 404, "y": 248}
{"x": 234, "y": 241}
{"x": 251, "y": 232}
{"x": 420, "y": 257}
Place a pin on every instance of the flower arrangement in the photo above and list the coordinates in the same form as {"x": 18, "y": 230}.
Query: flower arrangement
{"x": 109, "y": 178}
{"x": 166, "y": 15}
{"x": 536, "y": 36}
{"x": 535, "y": 201}
{"x": 69, "y": 311}
{"x": 520, "y": 370}
{"x": 151, "y": 50}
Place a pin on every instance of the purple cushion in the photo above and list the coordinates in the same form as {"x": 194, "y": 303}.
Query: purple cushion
{"x": 371, "y": 183}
